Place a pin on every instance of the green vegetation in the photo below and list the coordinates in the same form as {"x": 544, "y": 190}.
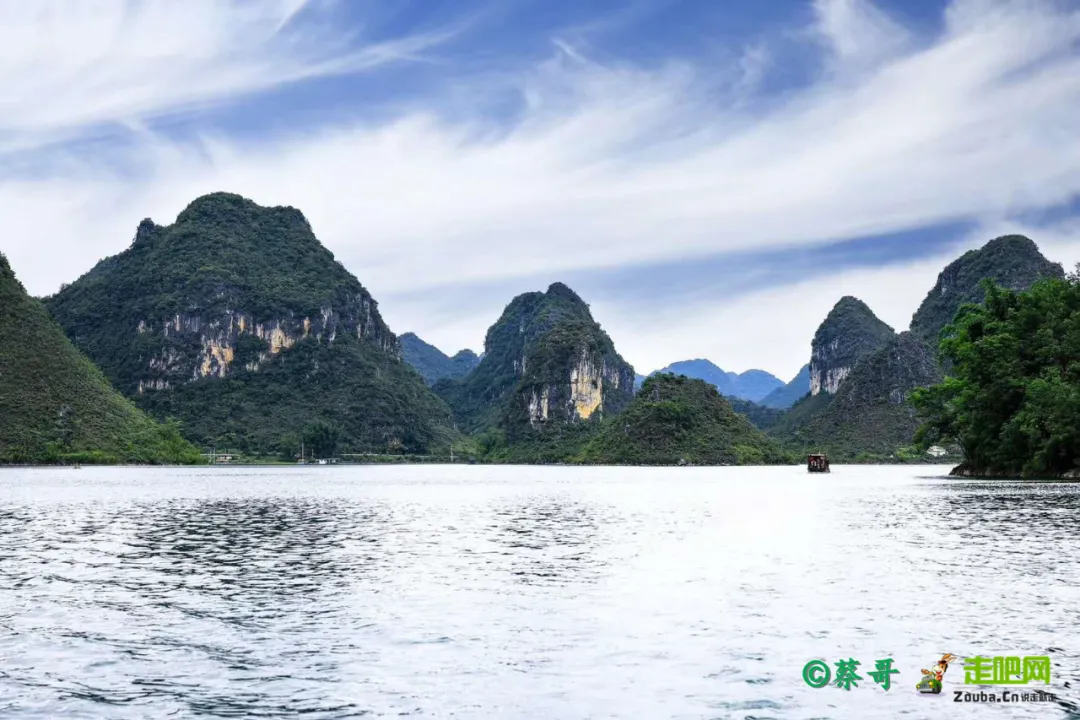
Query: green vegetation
{"x": 237, "y": 321}
{"x": 56, "y": 407}
{"x": 679, "y": 420}
{"x": 434, "y": 365}
{"x": 789, "y": 426}
{"x": 1012, "y": 402}
{"x": 1011, "y": 261}
{"x": 374, "y": 403}
{"x": 762, "y": 417}
{"x": 871, "y": 418}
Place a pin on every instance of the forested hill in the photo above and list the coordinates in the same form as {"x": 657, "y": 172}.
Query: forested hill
{"x": 238, "y": 321}
{"x": 1011, "y": 261}
{"x": 55, "y": 406}
{"x": 1012, "y": 400}
{"x": 679, "y": 420}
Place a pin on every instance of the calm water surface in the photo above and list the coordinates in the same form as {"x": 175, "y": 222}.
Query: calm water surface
{"x": 473, "y": 592}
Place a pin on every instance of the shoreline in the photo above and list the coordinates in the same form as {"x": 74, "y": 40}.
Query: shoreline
{"x": 962, "y": 471}
{"x": 445, "y": 463}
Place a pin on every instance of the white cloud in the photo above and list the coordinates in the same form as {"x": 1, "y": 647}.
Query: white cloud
{"x": 607, "y": 165}
{"x": 69, "y": 66}
{"x": 772, "y": 329}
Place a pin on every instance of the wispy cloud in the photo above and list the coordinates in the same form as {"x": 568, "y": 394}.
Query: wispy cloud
{"x": 859, "y": 35}
{"x": 600, "y": 165}
{"x": 69, "y": 66}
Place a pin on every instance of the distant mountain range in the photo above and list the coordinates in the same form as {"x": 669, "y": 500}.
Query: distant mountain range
{"x": 752, "y": 385}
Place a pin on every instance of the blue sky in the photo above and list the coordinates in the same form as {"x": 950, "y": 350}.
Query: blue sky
{"x": 710, "y": 176}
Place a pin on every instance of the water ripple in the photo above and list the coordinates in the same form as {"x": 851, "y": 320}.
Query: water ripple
{"x": 521, "y": 592}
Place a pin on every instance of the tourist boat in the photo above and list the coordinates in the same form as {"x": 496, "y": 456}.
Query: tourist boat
{"x": 818, "y": 462}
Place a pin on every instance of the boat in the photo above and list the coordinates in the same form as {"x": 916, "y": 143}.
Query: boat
{"x": 817, "y": 462}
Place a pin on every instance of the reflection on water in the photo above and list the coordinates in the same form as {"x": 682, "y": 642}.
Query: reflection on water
{"x": 522, "y": 593}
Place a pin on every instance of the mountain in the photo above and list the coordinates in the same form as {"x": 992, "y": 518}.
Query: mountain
{"x": 750, "y": 385}
{"x": 1012, "y": 261}
{"x": 679, "y": 420}
{"x": 849, "y": 332}
{"x": 862, "y": 374}
{"x": 702, "y": 369}
{"x": 547, "y": 365}
{"x": 784, "y": 397}
{"x": 236, "y": 320}
{"x": 56, "y": 406}
{"x": 639, "y": 380}
{"x": 755, "y": 385}
{"x": 432, "y": 363}
{"x": 870, "y": 415}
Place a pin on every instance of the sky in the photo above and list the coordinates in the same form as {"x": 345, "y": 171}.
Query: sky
{"x": 711, "y": 177}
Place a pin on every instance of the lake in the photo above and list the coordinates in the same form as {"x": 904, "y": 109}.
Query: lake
{"x": 525, "y": 592}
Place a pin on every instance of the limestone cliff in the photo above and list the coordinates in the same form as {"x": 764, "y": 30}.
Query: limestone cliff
{"x": 849, "y": 332}
{"x": 870, "y": 414}
{"x": 546, "y": 363}
{"x": 235, "y": 291}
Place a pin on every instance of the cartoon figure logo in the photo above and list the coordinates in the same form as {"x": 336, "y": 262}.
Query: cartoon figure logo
{"x": 931, "y": 679}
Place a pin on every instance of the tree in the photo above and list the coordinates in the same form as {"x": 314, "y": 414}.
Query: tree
{"x": 321, "y": 439}
{"x": 1012, "y": 402}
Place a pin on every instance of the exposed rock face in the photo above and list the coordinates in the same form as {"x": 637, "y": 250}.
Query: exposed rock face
{"x": 862, "y": 375}
{"x": 200, "y": 346}
{"x": 1012, "y": 261}
{"x": 849, "y": 332}
{"x": 233, "y": 291}
{"x": 888, "y": 375}
{"x": 546, "y": 362}
{"x": 217, "y": 293}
